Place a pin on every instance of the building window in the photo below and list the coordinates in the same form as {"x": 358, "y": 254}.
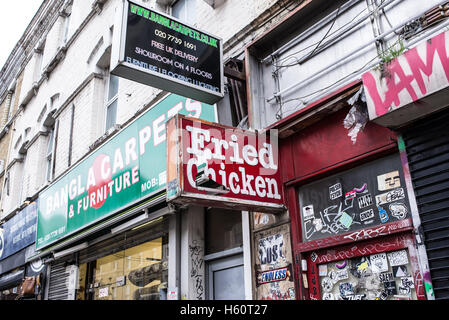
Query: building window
{"x": 66, "y": 23}
{"x": 49, "y": 156}
{"x": 184, "y": 10}
{"x": 7, "y": 183}
{"x": 38, "y": 56}
{"x": 131, "y": 266}
{"x": 111, "y": 101}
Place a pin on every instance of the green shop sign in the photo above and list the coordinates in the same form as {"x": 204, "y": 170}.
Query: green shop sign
{"x": 128, "y": 168}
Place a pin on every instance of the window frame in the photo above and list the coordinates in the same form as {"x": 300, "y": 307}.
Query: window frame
{"x": 108, "y": 101}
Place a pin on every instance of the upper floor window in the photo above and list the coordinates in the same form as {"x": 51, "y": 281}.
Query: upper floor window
{"x": 7, "y": 184}
{"x": 49, "y": 156}
{"x": 66, "y": 13}
{"x": 184, "y": 10}
{"x": 38, "y": 56}
{"x": 111, "y": 101}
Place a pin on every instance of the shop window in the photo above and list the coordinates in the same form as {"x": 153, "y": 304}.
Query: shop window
{"x": 380, "y": 276}
{"x": 136, "y": 273}
{"x": 366, "y": 196}
{"x": 10, "y": 293}
{"x": 223, "y": 230}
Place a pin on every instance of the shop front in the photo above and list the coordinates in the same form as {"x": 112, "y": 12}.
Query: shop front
{"x": 17, "y": 237}
{"x": 104, "y": 227}
{"x": 415, "y": 106}
{"x": 349, "y": 204}
{"x": 231, "y": 171}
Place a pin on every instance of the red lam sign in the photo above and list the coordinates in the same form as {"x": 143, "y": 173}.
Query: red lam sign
{"x": 214, "y": 165}
{"x": 418, "y": 73}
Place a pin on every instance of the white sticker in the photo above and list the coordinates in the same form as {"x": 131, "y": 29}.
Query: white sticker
{"x": 379, "y": 262}
{"x": 390, "y": 196}
{"x": 307, "y": 212}
{"x": 342, "y": 274}
{"x": 335, "y": 191}
{"x": 388, "y": 181}
{"x": 398, "y": 258}
{"x": 328, "y": 296}
{"x": 103, "y": 292}
{"x": 318, "y": 223}
{"x": 327, "y": 284}
{"x": 407, "y": 282}
{"x": 398, "y": 210}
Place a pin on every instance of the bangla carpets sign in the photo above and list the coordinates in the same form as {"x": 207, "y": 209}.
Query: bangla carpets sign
{"x": 418, "y": 73}
{"x": 160, "y": 51}
{"x": 126, "y": 169}
{"x": 220, "y": 166}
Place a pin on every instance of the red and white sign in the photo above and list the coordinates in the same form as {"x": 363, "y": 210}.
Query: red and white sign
{"x": 220, "y": 166}
{"x": 417, "y": 73}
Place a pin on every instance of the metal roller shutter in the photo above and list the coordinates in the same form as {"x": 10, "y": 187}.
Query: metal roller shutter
{"x": 427, "y": 146}
{"x": 57, "y": 286}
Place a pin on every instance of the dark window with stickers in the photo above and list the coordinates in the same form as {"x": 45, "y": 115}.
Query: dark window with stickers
{"x": 365, "y": 196}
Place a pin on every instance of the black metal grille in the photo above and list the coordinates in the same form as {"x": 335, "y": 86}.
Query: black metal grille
{"x": 57, "y": 286}
{"x": 427, "y": 145}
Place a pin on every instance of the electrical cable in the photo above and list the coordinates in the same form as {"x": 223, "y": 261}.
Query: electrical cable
{"x": 313, "y": 44}
{"x": 331, "y": 85}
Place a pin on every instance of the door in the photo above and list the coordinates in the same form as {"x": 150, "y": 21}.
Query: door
{"x": 226, "y": 279}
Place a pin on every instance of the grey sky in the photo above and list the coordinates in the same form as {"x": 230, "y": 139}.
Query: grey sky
{"x": 14, "y": 18}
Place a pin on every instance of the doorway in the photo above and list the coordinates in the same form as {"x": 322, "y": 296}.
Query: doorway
{"x": 224, "y": 255}
{"x": 225, "y": 278}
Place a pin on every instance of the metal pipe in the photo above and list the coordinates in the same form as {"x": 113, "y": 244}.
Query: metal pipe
{"x": 310, "y": 31}
{"x": 334, "y": 65}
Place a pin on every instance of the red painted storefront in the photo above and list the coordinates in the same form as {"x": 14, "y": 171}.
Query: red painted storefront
{"x": 313, "y": 146}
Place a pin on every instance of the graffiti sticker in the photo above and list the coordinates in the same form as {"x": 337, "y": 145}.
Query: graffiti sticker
{"x": 327, "y": 284}
{"x": 388, "y": 181}
{"x": 335, "y": 191}
{"x": 271, "y": 249}
{"x": 365, "y": 201}
{"x": 307, "y": 212}
{"x": 383, "y": 215}
{"x": 346, "y": 289}
{"x": 366, "y": 215}
{"x": 345, "y": 220}
{"x": 386, "y": 277}
{"x": 390, "y": 196}
{"x": 400, "y": 271}
{"x": 322, "y": 270}
{"x": 273, "y": 275}
{"x": 398, "y": 210}
{"x": 379, "y": 262}
{"x": 398, "y": 258}
{"x": 390, "y": 288}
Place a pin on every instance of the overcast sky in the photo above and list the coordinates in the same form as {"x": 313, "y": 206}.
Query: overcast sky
{"x": 15, "y": 15}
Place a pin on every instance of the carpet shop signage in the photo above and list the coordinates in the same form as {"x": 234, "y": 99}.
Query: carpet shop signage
{"x": 18, "y": 232}
{"x": 415, "y": 74}
{"x": 126, "y": 169}
{"x": 220, "y": 166}
{"x": 160, "y": 51}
